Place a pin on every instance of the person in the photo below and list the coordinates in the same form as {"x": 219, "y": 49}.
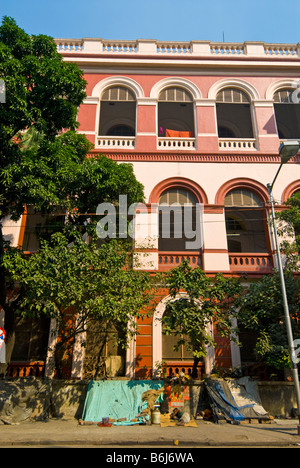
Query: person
{"x": 182, "y": 416}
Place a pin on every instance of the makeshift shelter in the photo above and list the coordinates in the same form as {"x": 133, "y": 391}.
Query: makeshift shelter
{"x": 234, "y": 400}
{"x": 120, "y": 400}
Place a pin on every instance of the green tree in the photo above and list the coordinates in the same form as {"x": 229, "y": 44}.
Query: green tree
{"x": 198, "y": 301}
{"x": 93, "y": 283}
{"x": 261, "y": 310}
{"x": 43, "y": 161}
{"x": 290, "y": 227}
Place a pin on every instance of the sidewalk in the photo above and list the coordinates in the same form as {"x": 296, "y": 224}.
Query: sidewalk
{"x": 59, "y": 432}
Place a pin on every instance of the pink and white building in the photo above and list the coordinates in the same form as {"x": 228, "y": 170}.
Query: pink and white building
{"x": 201, "y": 123}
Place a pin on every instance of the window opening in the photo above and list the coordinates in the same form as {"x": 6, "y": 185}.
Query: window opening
{"x": 31, "y": 338}
{"x": 175, "y": 113}
{"x": 245, "y": 219}
{"x": 234, "y": 114}
{"x": 169, "y": 341}
{"x": 287, "y": 114}
{"x": 41, "y": 226}
{"x": 177, "y": 220}
{"x": 104, "y": 355}
{"x": 121, "y": 130}
{"x": 117, "y": 112}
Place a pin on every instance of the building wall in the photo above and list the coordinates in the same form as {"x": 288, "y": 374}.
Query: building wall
{"x": 210, "y": 166}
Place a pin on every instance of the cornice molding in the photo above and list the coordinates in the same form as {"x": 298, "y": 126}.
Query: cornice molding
{"x": 196, "y": 157}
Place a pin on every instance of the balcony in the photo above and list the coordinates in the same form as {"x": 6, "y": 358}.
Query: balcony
{"x": 237, "y": 144}
{"x": 173, "y": 368}
{"x": 177, "y": 143}
{"x": 26, "y": 369}
{"x": 169, "y": 260}
{"x": 114, "y": 142}
{"x": 251, "y": 262}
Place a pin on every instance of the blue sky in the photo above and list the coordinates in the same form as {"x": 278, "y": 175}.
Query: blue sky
{"x": 170, "y": 20}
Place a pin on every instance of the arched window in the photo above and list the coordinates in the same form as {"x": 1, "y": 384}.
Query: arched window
{"x": 234, "y": 114}
{"x": 182, "y": 353}
{"x": 178, "y": 223}
{"x": 245, "y": 219}
{"x": 31, "y": 337}
{"x": 287, "y": 114}
{"x": 117, "y": 112}
{"x": 175, "y": 113}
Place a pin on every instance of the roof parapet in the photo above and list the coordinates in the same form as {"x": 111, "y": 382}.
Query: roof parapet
{"x": 154, "y": 48}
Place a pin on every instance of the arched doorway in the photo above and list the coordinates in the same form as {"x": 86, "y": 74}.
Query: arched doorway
{"x": 162, "y": 348}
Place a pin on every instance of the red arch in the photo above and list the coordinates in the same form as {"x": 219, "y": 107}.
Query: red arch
{"x": 179, "y": 182}
{"x": 260, "y": 189}
{"x": 290, "y": 189}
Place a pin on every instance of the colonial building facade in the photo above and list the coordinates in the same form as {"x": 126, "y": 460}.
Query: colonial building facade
{"x": 201, "y": 123}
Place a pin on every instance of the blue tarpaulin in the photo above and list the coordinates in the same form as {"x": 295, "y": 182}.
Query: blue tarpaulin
{"x": 116, "y": 399}
{"x": 223, "y": 405}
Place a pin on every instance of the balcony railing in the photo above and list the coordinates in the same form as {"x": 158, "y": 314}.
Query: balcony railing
{"x": 26, "y": 369}
{"x": 237, "y": 143}
{"x": 113, "y": 142}
{"x": 169, "y": 260}
{"x": 260, "y": 262}
{"x": 172, "y": 369}
{"x": 176, "y": 143}
{"x": 174, "y": 49}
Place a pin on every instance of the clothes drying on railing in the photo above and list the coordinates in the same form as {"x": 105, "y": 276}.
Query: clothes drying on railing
{"x": 178, "y": 134}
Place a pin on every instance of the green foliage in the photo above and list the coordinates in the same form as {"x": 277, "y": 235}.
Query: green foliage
{"x": 196, "y": 302}
{"x": 93, "y": 281}
{"x": 44, "y": 164}
{"x": 87, "y": 282}
{"x": 59, "y": 173}
{"x": 290, "y": 227}
{"x": 261, "y": 310}
{"x": 40, "y": 86}
{"x": 43, "y": 93}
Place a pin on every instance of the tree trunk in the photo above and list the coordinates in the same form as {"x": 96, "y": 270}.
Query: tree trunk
{"x": 195, "y": 368}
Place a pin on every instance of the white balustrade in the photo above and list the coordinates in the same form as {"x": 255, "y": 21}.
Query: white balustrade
{"x": 237, "y": 143}
{"x": 282, "y": 50}
{"x": 113, "y": 142}
{"x": 176, "y": 143}
{"x": 227, "y": 49}
{"x": 69, "y": 45}
{"x": 119, "y": 47}
{"x": 171, "y": 48}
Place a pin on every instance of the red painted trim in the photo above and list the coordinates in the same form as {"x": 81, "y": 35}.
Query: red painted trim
{"x": 180, "y": 182}
{"x": 290, "y": 189}
{"x": 260, "y": 189}
{"x": 163, "y": 156}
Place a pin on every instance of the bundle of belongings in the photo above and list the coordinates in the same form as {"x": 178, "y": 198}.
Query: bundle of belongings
{"x": 234, "y": 400}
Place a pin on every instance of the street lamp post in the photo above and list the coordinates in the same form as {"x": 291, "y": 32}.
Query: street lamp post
{"x": 286, "y": 151}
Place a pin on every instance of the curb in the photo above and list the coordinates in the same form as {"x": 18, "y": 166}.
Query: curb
{"x": 176, "y": 445}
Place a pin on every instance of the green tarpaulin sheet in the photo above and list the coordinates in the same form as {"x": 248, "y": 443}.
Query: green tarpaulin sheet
{"x": 116, "y": 399}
